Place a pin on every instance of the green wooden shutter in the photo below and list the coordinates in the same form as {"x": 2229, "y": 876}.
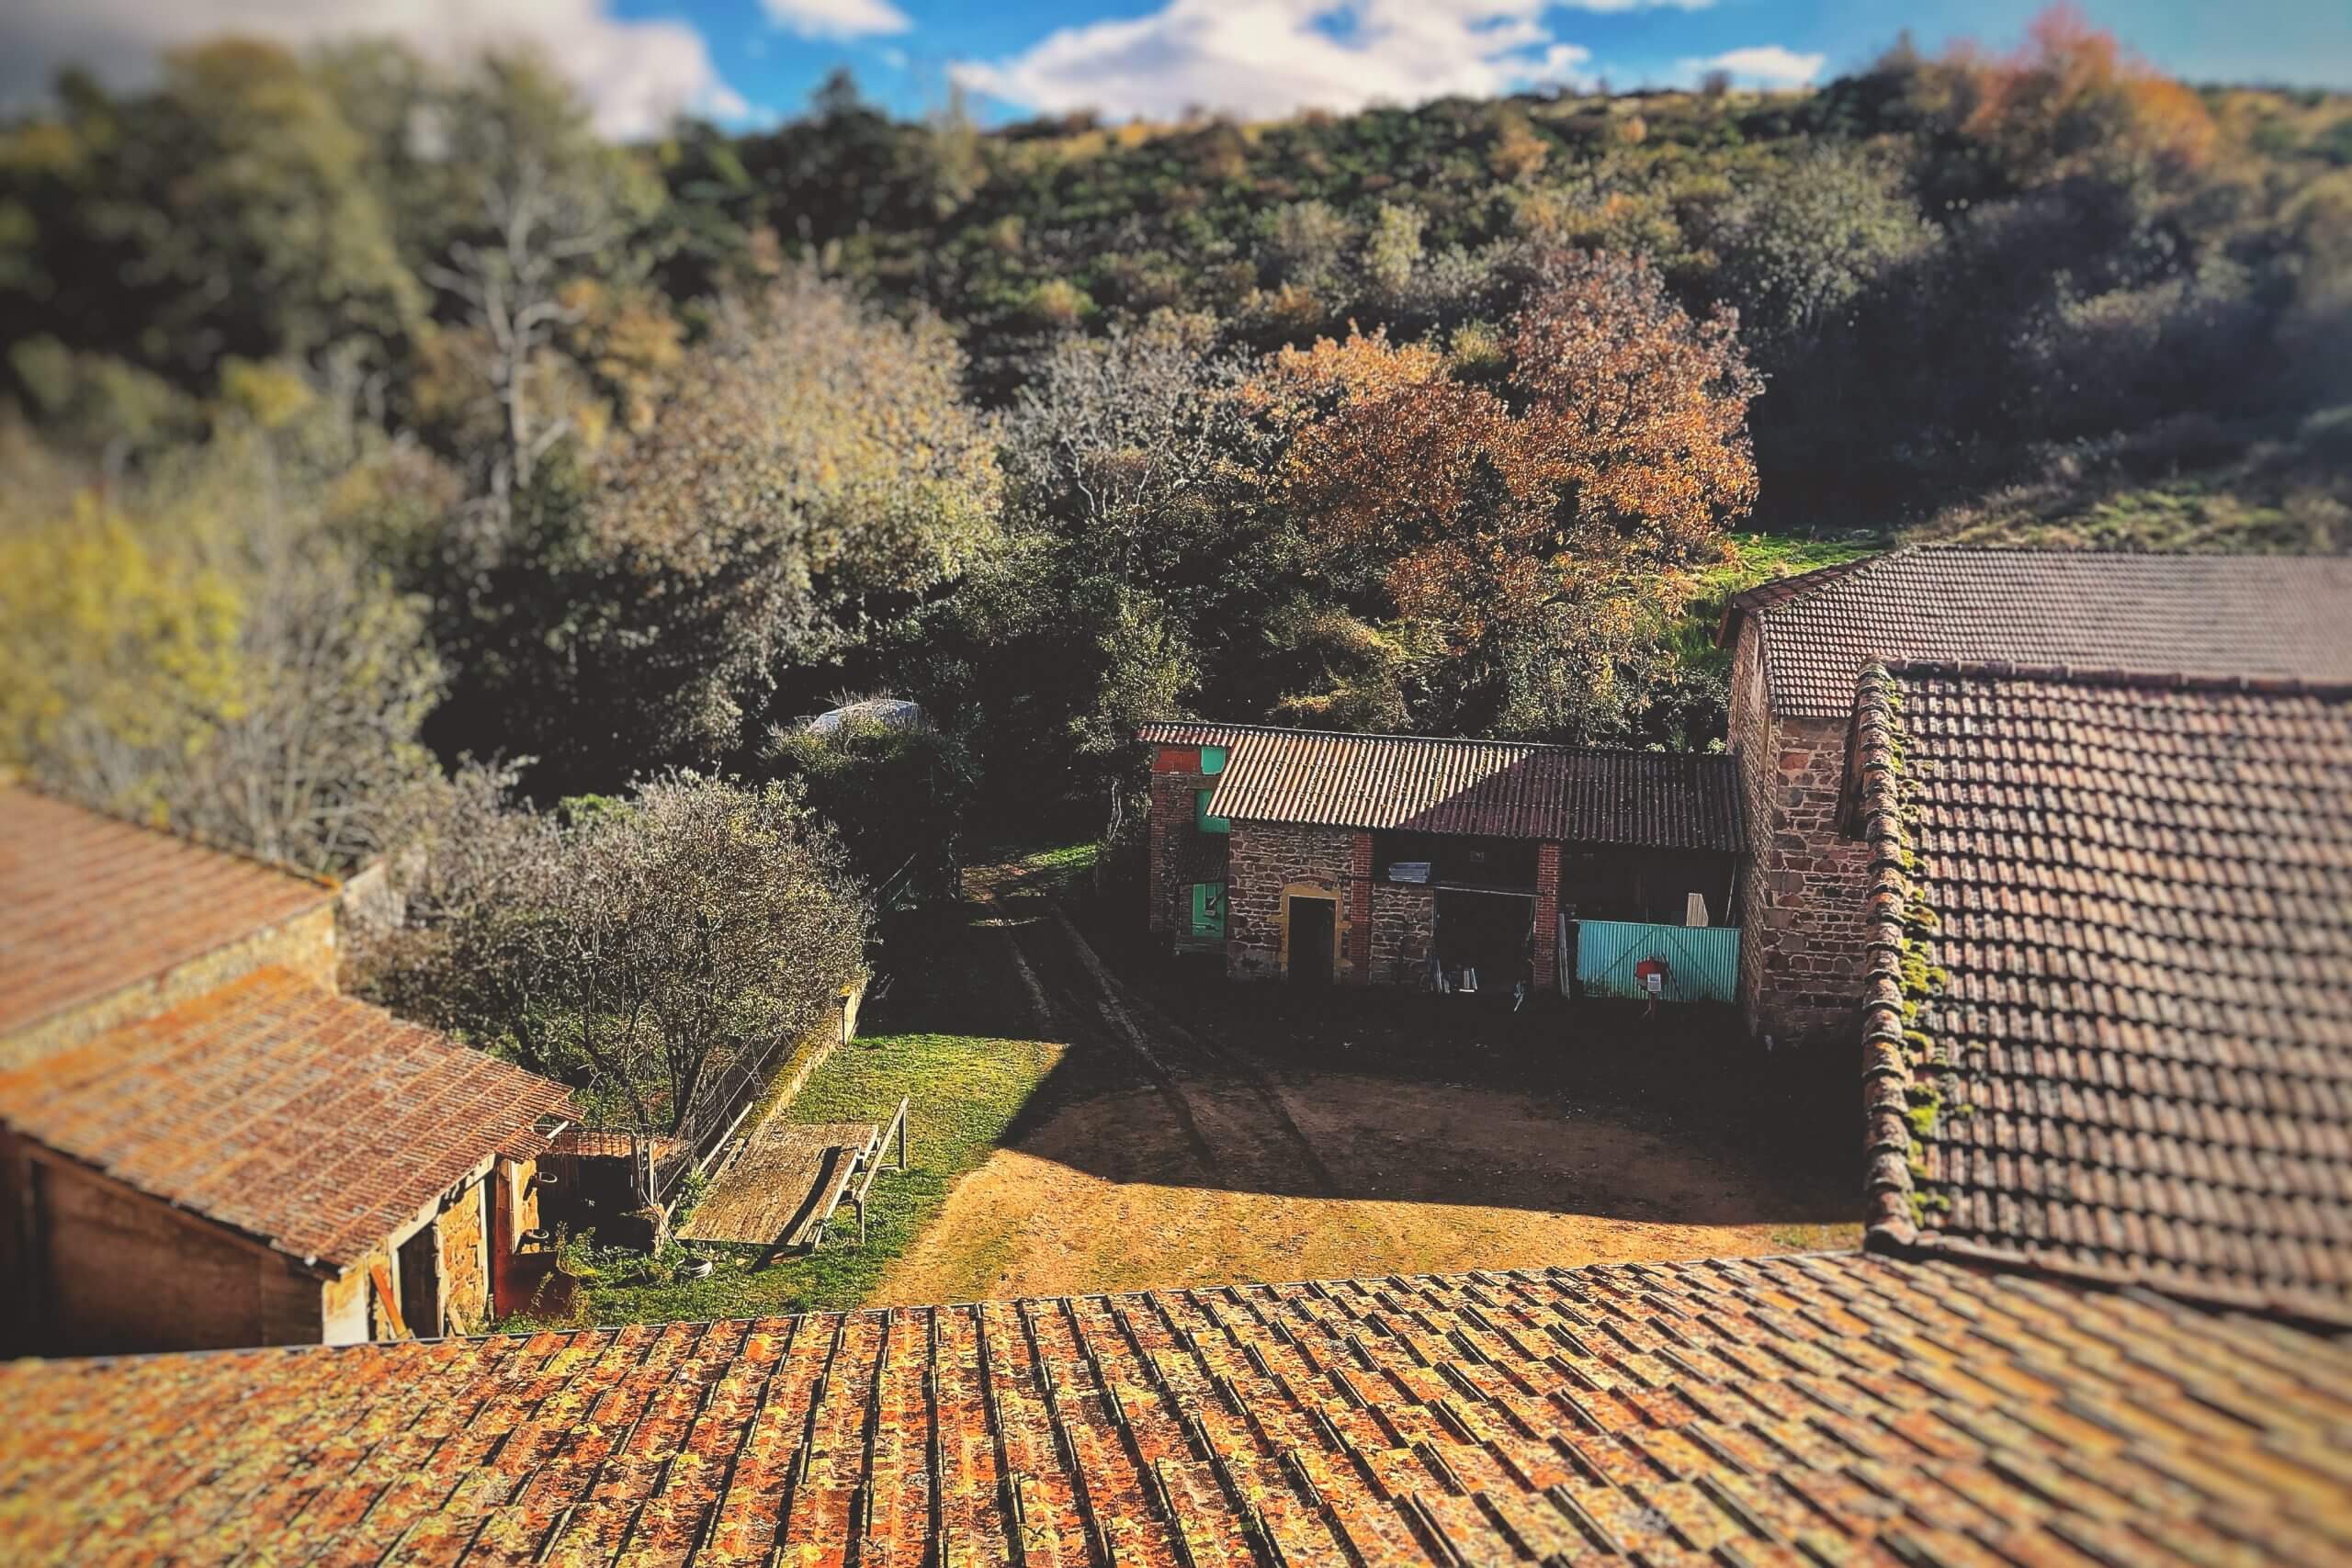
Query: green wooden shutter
{"x": 1212, "y": 759}
{"x": 1208, "y": 909}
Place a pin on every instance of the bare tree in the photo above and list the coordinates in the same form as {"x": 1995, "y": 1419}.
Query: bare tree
{"x": 1115, "y": 433}
{"x": 644, "y": 948}
{"x": 543, "y": 203}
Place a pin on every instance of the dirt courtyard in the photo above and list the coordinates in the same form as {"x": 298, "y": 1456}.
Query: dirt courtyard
{"x": 1186, "y": 1155}
{"x": 1110, "y": 1194}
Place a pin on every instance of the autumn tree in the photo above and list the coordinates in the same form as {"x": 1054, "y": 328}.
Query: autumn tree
{"x": 1556, "y": 512}
{"x": 214, "y": 649}
{"x": 2072, "y": 99}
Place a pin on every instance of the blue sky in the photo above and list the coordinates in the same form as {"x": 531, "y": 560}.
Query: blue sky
{"x": 1039, "y": 55}
{"x": 748, "y": 61}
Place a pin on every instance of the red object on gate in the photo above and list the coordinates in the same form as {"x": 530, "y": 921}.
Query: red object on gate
{"x": 1652, "y": 972}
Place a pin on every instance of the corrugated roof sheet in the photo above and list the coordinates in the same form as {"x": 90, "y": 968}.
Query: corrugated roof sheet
{"x": 1645, "y": 799}
{"x": 2273, "y": 615}
{"x": 317, "y": 1124}
{"x": 2132, "y": 975}
{"x": 90, "y": 905}
{"x": 1770, "y": 1412}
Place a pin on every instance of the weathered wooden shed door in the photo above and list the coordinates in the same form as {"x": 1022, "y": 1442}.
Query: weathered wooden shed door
{"x": 1208, "y": 910}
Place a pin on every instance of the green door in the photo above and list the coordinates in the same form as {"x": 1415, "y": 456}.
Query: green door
{"x": 1208, "y": 909}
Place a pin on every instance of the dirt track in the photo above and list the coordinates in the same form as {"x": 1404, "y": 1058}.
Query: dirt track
{"x": 1218, "y": 1168}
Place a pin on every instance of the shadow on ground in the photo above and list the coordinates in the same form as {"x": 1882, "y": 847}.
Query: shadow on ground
{"x": 1197, "y": 1130}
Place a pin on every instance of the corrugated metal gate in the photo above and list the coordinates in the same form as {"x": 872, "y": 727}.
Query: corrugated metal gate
{"x": 1702, "y": 962}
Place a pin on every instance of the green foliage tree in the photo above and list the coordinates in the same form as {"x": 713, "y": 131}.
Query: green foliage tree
{"x": 815, "y": 474}
{"x": 897, "y": 795}
{"x": 221, "y": 214}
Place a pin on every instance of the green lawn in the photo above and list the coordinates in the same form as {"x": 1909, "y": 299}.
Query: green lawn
{"x": 966, "y": 1089}
{"x": 1753, "y": 559}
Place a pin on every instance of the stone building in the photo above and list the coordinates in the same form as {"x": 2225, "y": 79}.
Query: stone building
{"x": 203, "y": 1144}
{"x": 1396, "y": 860}
{"x": 1799, "y": 645}
{"x": 266, "y": 1164}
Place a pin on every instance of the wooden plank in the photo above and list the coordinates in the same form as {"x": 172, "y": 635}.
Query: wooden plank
{"x": 385, "y": 1299}
{"x": 832, "y": 1178}
{"x": 785, "y": 1175}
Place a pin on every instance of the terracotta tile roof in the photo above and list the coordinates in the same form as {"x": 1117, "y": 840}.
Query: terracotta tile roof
{"x": 312, "y": 1122}
{"x": 89, "y": 905}
{"x": 2120, "y": 914}
{"x": 1649, "y": 799}
{"x": 1832, "y": 1409}
{"x": 605, "y": 1143}
{"x": 2213, "y": 614}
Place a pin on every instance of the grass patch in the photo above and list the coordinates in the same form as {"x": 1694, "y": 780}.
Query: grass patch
{"x": 1838, "y": 1237}
{"x": 1753, "y": 559}
{"x": 1060, "y": 865}
{"x": 966, "y": 1091}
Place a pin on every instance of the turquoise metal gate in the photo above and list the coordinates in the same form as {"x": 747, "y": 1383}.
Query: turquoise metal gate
{"x": 1702, "y": 962}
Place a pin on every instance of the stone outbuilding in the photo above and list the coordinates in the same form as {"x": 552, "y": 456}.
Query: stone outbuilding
{"x": 201, "y": 1144}
{"x": 1410, "y": 861}
{"x": 266, "y": 1164}
{"x": 1800, "y": 644}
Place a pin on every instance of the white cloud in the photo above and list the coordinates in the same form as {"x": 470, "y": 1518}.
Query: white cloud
{"x": 837, "y": 18}
{"x": 1766, "y": 65}
{"x": 1267, "y": 58}
{"x": 635, "y": 73}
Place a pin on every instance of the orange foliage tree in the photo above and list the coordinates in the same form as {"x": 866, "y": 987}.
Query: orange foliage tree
{"x": 2072, "y": 96}
{"x": 1611, "y": 456}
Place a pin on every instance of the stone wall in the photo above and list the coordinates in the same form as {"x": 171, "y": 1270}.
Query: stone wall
{"x": 1804, "y": 892}
{"x": 465, "y": 1278}
{"x": 305, "y": 945}
{"x": 1272, "y": 862}
{"x": 1404, "y": 924}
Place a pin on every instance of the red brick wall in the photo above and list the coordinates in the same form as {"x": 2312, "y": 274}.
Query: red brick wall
{"x": 1546, "y": 968}
{"x": 1803, "y": 894}
{"x": 1171, "y": 824}
{"x": 1270, "y": 860}
{"x": 514, "y": 1208}
{"x": 116, "y": 1272}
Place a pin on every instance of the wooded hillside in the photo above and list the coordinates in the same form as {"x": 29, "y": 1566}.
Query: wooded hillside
{"x": 366, "y": 413}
